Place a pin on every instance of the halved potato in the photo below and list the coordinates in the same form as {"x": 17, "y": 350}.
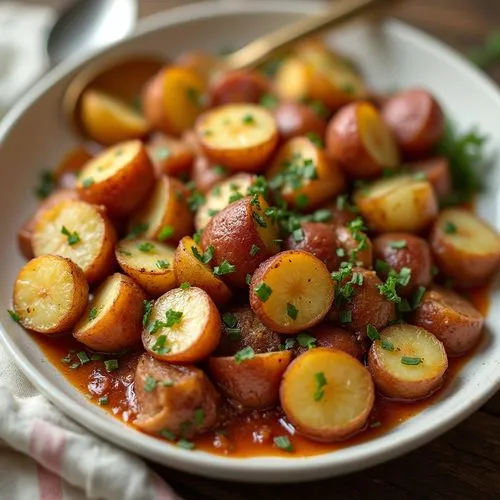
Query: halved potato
{"x": 221, "y": 195}
{"x": 327, "y": 394}
{"x": 81, "y": 232}
{"x": 237, "y": 87}
{"x": 149, "y": 263}
{"x": 304, "y": 175}
{"x": 401, "y": 203}
{"x": 293, "y": 79}
{"x": 173, "y": 99}
{"x": 107, "y": 120}
{"x": 238, "y": 136}
{"x": 291, "y": 291}
{"x": 437, "y": 171}
{"x": 356, "y": 245}
{"x": 451, "y": 318}
{"x": 119, "y": 178}
{"x": 166, "y": 215}
{"x": 407, "y": 362}
{"x": 184, "y": 326}
{"x": 190, "y": 269}
{"x": 170, "y": 156}
{"x": 50, "y": 294}
{"x": 361, "y": 142}
{"x": 113, "y": 318}
{"x": 465, "y": 247}
{"x": 253, "y": 383}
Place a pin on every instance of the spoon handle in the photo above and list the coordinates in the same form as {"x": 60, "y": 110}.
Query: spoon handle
{"x": 341, "y": 12}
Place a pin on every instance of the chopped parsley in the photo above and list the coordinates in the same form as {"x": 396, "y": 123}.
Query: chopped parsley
{"x": 399, "y": 244}
{"x": 173, "y": 318}
{"x": 47, "y": 185}
{"x": 301, "y": 201}
{"x": 306, "y": 340}
{"x": 320, "y": 383}
{"x": 219, "y": 169}
{"x": 315, "y": 139}
{"x": 13, "y": 315}
{"x": 450, "y": 227}
{"x": 148, "y": 306}
{"x": 298, "y": 235}
{"x": 162, "y": 153}
{"x": 198, "y": 417}
{"x": 86, "y": 183}
{"x": 411, "y": 361}
{"x": 259, "y": 219}
{"x": 137, "y": 230}
{"x": 345, "y": 317}
{"x": 83, "y": 357}
{"x": 160, "y": 346}
{"x": 73, "y": 237}
{"x": 292, "y": 311}
{"x": 93, "y": 313}
{"x": 224, "y": 268}
{"x": 185, "y": 285}
{"x": 387, "y": 345}
{"x": 162, "y": 264}
{"x": 111, "y": 365}
{"x": 394, "y": 279}
{"x": 417, "y": 297}
{"x": 230, "y": 320}
{"x": 263, "y": 291}
{"x": 205, "y": 257}
{"x": 150, "y": 383}
{"x": 254, "y": 250}
{"x": 283, "y": 443}
{"x": 165, "y": 233}
{"x": 269, "y": 101}
{"x": 248, "y": 119}
{"x": 146, "y": 246}
{"x": 185, "y": 444}
{"x": 372, "y": 332}
{"x": 103, "y": 400}
{"x": 245, "y": 354}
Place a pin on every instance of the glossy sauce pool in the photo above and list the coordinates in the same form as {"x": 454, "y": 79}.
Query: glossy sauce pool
{"x": 247, "y": 435}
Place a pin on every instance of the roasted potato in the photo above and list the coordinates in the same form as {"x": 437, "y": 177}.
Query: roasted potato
{"x": 170, "y": 156}
{"x": 341, "y": 211}
{"x": 327, "y": 394}
{"x": 291, "y": 291}
{"x": 451, "y": 318}
{"x": 166, "y": 215}
{"x": 242, "y": 236}
{"x": 202, "y": 63}
{"x": 67, "y": 171}
{"x": 50, "y": 294}
{"x": 402, "y": 203}
{"x": 119, "y": 178}
{"x": 356, "y": 246}
{"x": 81, "y": 232}
{"x": 416, "y": 120}
{"x": 401, "y": 250}
{"x": 113, "y": 318}
{"x": 295, "y": 119}
{"x": 465, "y": 247}
{"x": 175, "y": 401}
{"x": 149, "y": 263}
{"x": 183, "y": 326}
{"x": 437, "y": 171}
{"x": 253, "y": 383}
{"x": 206, "y": 174}
{"x": 190, "y": 267}
{"x": 407, "y": 362}
{"x": 359, "y": 140}
{"x": 237, "y": 87}
{"x": 304, "y": 174}
{"x": 238, "y": 136}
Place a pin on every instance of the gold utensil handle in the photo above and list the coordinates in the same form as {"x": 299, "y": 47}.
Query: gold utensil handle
{"x": 341, "y": 12}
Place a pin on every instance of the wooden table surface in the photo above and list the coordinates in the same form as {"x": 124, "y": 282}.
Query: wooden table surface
{"x": 465, "y": 462}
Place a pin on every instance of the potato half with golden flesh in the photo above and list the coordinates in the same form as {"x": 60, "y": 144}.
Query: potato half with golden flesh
{"x": 170, "y": 156}
{"x": 451, "y": 318}
{"x": 304, "y": 175}
{"x": 113, "y": 318}
{"x": 50, "y": 294}
{"x": 241, "y": 237}
{"x": 81, "y": 232}
{"x": 407, "y": 362}
{"x": 108, "y": 120}
{"x": 327, "y": 394}
{"x": 238, "y": 136}
{"x": 291, "y": 291}
{"x": 149, "y": 263}
{"x": 465, "y": 247}
{"x": 119, "y": 178}
{"x": 190, "y": 268}
{"x": 402, "y": 203}
{"x": 183, "y": 326}
{"x": 253, "y": 383}
{"x": 166, "y": 215}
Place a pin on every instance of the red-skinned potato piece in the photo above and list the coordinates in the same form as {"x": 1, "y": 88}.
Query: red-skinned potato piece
{"x": 451, "y": 318}
{"x": 253, "y": 383}
{"x": 416, "y": 120}
{"x": 401, "y": 250}
{"x": 437, "y": 172}
{"x": 356, "y": 246}
{"x": 243, "y": 236}
{"x": 170, "y": 156}
{"x": 168, "y": 396}
{"x": 206, "y": 174}
{"x": 361, "y": 142}
{"x": 296, "y": 119}
{"x": 237, "y": 87}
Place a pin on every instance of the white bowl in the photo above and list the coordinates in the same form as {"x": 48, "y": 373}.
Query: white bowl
{"x": 34, "y": 136}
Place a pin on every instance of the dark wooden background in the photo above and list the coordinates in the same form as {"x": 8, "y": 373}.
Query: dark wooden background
{"x": 465, "y": 462}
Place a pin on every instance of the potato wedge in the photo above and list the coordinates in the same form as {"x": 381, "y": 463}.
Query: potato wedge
{"x": 402, "y": 203}
{"x": 166, "y": 215}
{"x": 175, "y": 401}
{"x": 359, "y": 140}
{"x": 242, "y": 236}
{"x": 190, "y": 268}
{"x": 408, "y": 362}
{"x": 237, "y": 87}
{"x": 221, "y": 195}
{"x": 81, "y": 232}
{"x": 50, "y": 294}
{"x": 291, "y": 291}
{"x": 295, "y": 119}
{"x": 451, "y": 318}
{"x": 252, "y": 383}
{"x": 437, "y": 171}
{"x": 119, "y": 178}
{"x": 184, "y": 326}
{"x": 206, "y": 174}
{"x": 238, "y": 136}
{"x": 113, "y": 318}
{"x": 170, "y": 156}
{"x": 327, "y": 394}
{"x": 149, "y": 263}
{"x": 304, "y": 175}
{"x": 107, "y": 120}
{"x": 465, "y": 247}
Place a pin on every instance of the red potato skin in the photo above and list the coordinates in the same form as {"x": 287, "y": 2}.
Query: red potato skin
{"x": 437, "y": 171}
{"x": 340, "y": 217}
{"x": 179, "y": 161}
{"x": 296, "y": 119}
{"x": 451, "y": 318}
{"x": 238, "y": 86}
{"x": 204, "y": 175}
{"x": 349, "y": 244}
{"x": 416, "y": 119}
{"x": 416, "y": 256}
